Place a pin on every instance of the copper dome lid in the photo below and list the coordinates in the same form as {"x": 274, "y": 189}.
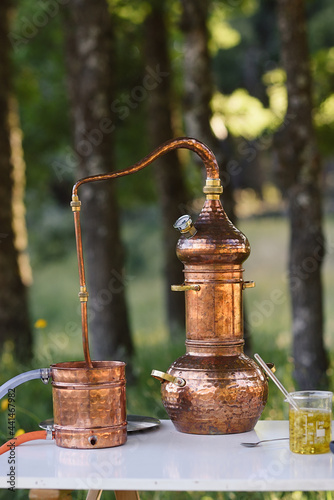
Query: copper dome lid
{"x": 215, "y": 240}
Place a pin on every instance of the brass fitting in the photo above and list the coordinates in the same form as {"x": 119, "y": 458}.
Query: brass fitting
{"x": 83, "y": 294}
{"x": 213, "y": 189}
{"x": 75, "y": 204}
{"x": 183, "y": 288}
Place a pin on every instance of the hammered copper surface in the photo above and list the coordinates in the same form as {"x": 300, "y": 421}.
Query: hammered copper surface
{"x": 222, "y": 395}
{"x": 89, "y": 404}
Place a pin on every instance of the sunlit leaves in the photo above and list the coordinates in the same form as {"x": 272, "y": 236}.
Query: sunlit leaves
{"x": 276, "y": 90}
{"x": 243, "y": 115}
{"x": 129, "y": 11}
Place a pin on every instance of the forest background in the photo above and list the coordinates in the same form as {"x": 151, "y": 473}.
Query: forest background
{"x": 212, "y": 70}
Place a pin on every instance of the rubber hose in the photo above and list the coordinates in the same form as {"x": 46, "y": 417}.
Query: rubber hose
{"x": 20, "y": 379}
{"x": 28, "y": 436}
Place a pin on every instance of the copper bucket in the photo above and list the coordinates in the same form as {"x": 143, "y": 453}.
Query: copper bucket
{"x": 89, "y": 404}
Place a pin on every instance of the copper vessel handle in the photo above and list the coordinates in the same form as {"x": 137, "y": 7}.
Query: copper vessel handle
{"x": 212, "y": 187}
{"x": 248, "y": 284}
{"x": 162, "y": 376}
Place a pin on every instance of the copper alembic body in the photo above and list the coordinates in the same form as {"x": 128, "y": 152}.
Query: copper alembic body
{"x": 214, "y": 388}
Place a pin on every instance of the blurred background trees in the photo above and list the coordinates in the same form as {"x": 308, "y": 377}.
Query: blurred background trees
{"x": 15, "y": 329}
{"x": 151, "y": 70}
{"x": 89, "y": 52}
{"x": 300, "y": 178}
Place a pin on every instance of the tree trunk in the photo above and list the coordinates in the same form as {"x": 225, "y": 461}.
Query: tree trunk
{"x": 15, "y": 331}
{"x": 198, "y": 90}
{"x": 169, "y": 178}
{"x": 300, "y": 176}
{"x": 89, "y": 49}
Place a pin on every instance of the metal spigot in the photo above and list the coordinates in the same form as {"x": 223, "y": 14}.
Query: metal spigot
{"x": 185, "y": 225}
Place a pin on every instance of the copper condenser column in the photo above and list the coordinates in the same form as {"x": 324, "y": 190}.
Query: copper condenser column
{"x": 214, "y": 388}
{"x": 89, "y": 404}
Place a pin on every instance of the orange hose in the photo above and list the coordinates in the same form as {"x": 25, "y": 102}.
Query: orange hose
{"x": 28, "y": 436}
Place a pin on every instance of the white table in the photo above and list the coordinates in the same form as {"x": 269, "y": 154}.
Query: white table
{"x": 164, "y": 459}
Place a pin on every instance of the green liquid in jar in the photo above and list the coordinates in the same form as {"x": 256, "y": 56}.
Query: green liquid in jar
{"x": 310, "y": 430}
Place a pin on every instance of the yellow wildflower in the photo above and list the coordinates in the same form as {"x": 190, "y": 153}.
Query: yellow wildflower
{"x": 41, "y": 323}
{"x": 4, "y": 404}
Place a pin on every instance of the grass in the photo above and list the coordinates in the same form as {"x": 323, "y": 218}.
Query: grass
{"x": 54, "y": 299}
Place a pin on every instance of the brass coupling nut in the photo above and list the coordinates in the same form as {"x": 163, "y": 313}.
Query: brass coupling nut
{"x": 83, "y": 294}
{"x": 75, "y": 204}
{"x": 213, "y": 186}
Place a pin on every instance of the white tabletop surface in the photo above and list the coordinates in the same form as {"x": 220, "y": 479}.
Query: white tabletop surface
{"x": 164, "y": 459}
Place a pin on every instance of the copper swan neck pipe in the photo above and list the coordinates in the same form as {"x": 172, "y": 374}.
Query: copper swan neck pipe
{"x": 212, "y": 186}
{"x": 210, "y": 162}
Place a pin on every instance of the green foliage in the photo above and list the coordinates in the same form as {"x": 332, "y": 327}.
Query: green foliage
{"x": 39, "y": 82}
{"x": 245, "y": 50}
{"x": 244, "y": 115}
{"x": 320, "y": 24}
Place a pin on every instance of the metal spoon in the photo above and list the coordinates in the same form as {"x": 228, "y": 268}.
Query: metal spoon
{"x": 252, "y": 445}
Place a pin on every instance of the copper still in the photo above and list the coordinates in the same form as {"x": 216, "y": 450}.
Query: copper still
{"x": 212, "y": 389}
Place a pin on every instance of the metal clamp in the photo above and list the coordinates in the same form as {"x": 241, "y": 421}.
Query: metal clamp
{"x": 182, "y": 288}
{"x": 45, "y": 375}
{"x": 48, "y": 426}
{"x": 162, "y": 376}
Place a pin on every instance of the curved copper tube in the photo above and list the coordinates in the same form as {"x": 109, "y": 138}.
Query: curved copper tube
{"x": 210, "y": 162}
{"x": 212, "y": 173}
